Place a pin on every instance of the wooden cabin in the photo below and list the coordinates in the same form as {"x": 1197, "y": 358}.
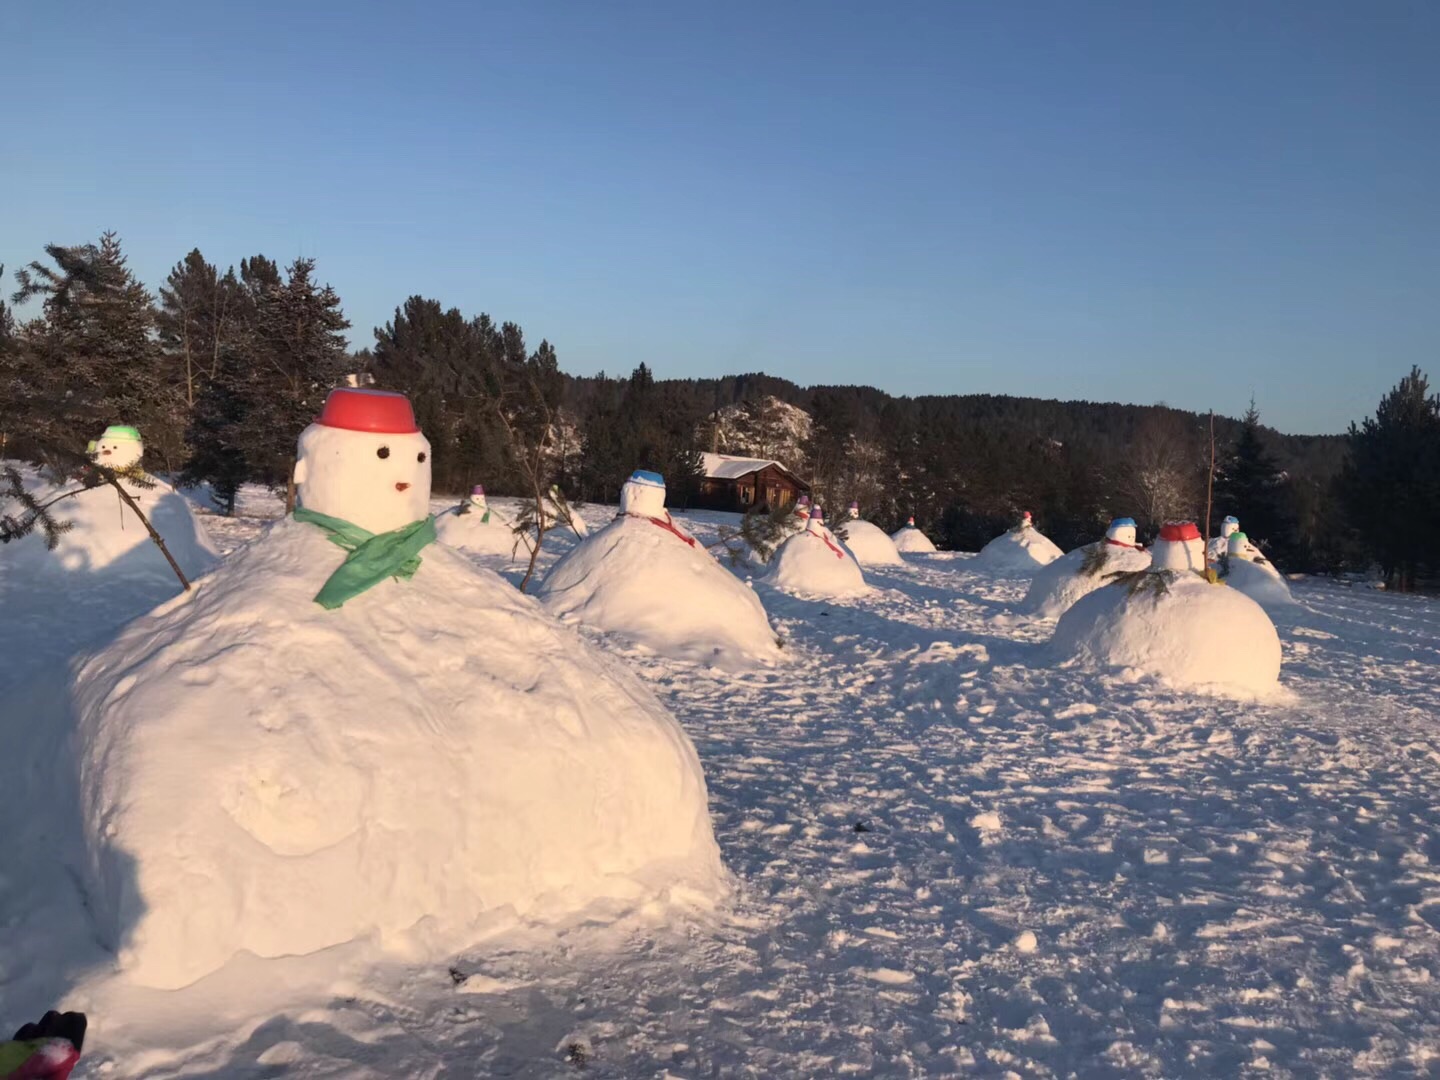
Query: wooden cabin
{"x": 742, "y": 484}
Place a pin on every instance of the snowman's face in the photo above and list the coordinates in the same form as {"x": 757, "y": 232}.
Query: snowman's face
{"x": 854, "y": 512}
{"x": 1228, "y": 528}
{"x": 377, "y": 481}
{"x": 646, "y": 500}
{"x": 1123, "y": 534}
{"x": 1178, "y": 555}
{"x": 119, "y": 453}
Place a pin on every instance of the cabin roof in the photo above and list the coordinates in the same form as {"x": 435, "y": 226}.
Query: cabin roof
{"x": 730, "y": 467}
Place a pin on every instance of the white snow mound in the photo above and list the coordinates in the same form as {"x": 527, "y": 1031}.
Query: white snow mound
{"x": 870, "y": 545}
{"x": 471, "y": 533}
{"x": 108, "y": 540}
{"x": 1259, "y": 581}
{"x": 912, "y": 541}
{"x": 1059, "y": 584}
{"x": 635, "y": 578}
{"x": 1019, "y": 551}
{"x": 1192, "y": 635}
{"x": 814, "y": 563}
{"x": 258, "y": 773}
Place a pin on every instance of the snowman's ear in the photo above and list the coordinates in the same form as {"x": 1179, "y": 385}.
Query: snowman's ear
{"x": 300, "y": 471}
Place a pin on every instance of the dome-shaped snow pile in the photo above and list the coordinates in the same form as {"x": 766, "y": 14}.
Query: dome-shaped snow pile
{"x": 477, "y": 528}
{"x": 1059, "y": 584}
{"x": 647, "y": 578}
{"x": 869, "y": 543}
{"x": 1163, "y": 622}
{"x": 107, "y": 540}
{"x": 1022, "y": 550}
{"x": 911, "y": 541}
{"x": 442, "y": 749}
{"x": 260, "y": 772}
{"x": 1246, "y": 569}
{"x": 814, "y": 563}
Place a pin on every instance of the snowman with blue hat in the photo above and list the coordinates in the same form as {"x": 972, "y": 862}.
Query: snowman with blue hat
{"x": 1220, "y": 545}
{"x": 1076, "y": 573}
{"x": 646, "y": 578}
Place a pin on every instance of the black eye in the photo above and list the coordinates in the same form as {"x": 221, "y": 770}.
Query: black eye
{"x": 383, "y": 452}
{"x": 420, "y": 456}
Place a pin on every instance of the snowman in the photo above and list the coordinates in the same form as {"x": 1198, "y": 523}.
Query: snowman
{"x": 1161, "y": 622}
{"x": 815, "y": 563}
{"x": 477, "y": 528}
{"x": 119, "y": 447}
{"x": 1245, "y": 567}
{"x": 644, "y": 577}
{"x": 106, "y": 543}
{"x": 1085, "y": 569}
{"x": 351, "y": 735}
{"x": 1020, "y": 551}
{"x": 1219, "y": 545}
{"x": 911, "y": 540}
{"x": 868, "y": 543}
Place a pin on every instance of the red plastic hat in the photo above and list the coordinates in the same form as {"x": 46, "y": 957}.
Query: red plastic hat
{"x": 378, "y": 411}
{"x": 1179, "y": 531}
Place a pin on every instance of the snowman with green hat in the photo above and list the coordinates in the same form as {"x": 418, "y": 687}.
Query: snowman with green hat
{"x": 119, "y": 447}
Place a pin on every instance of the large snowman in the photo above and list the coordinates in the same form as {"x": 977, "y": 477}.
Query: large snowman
{"x": 910, "y": 540}
{"x": 1163, "y": 622}
{"x": 1245, "y": 567}
{"x": 348, "y": 732}
{"x": 869, "y": 543}
{"x": 1084, "y": 570}
{"x": 106, "y": 542}
{"x": 1020, "y": 551}
{"x": 478, "y": 528}
{"x": 815, "y": 563}
{"x": 645, "y": 577}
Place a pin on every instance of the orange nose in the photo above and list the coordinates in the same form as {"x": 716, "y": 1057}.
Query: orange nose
{"x": 401, "y": 487}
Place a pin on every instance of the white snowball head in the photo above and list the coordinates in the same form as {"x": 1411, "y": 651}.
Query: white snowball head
{"x": 359, "y": 464}
{"x": 643, "y": 494}
{"x": 1179, "y": 548}
{"x": 120, "y": 447}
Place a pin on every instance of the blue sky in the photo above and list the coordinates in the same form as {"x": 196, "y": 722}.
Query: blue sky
{"x": 1140, "y": 202}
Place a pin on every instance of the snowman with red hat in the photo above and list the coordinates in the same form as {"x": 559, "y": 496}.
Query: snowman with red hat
{"x": 646, "y": 578}
{"x": 1076, "y": 573}
{"x": 350, "y": 734}
{"x": 478, "y": 528}
{"x": 868, "y": 542}
{"x": 910, "y": 540}
{"x": 1162, "y": 622}
{"x": 815, "y": 563}
{"x": 1021, "y": 550}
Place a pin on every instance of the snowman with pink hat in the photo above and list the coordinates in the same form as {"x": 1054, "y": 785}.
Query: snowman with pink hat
{"x": 350, "y": 735}
{"x": 1019, "y": 551}
{"x": 1162, "y": 622}
{"x": 477, "y": 527}
{"x": 910, "y": 540}
{"x": 868, "y": 542}
{"x": 815, "y": 563}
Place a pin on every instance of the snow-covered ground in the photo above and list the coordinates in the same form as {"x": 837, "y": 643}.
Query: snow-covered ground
{"x": 952, "y": 857}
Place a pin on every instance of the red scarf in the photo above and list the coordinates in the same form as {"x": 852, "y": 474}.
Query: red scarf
{"x": 1121, "y": 543}
{"x": 668, "y": 525}
{"x": 826, "y": 540}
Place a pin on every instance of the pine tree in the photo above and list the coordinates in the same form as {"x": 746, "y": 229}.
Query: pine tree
{"x": 1252, "y": 487}
{"x": 93, "y": 357}
{"x": 1390, "y": 483}
{"x": 197, "y": 319}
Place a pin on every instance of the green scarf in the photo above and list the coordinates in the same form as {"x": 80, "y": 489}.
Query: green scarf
{"x": 373, "y": 556}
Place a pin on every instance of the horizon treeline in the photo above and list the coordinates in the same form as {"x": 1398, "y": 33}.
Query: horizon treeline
{"x": 221, "y": 369}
